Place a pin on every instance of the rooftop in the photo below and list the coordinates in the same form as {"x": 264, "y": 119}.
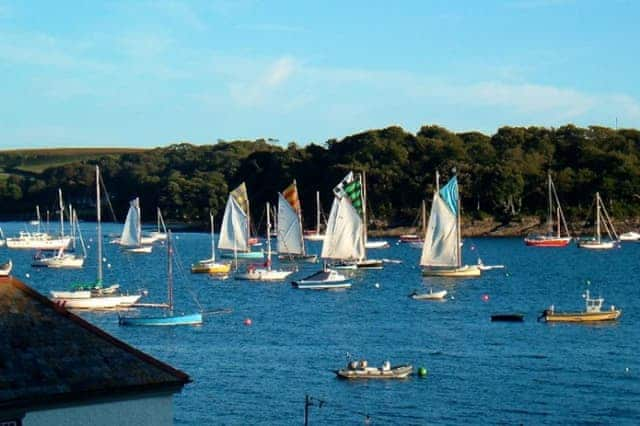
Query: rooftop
{"x": 49, "y": 354}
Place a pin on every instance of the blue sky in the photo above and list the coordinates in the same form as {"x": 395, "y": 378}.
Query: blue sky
{"x": 151, "y": 73}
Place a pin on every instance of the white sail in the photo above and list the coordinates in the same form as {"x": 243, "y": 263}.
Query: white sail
{"x": 289, "y": 229}
{"x": 131, "y": 235}
{"x": 344, "y": 237}
{"x": 441, "y": 240}
{"x": 235, "y": 228}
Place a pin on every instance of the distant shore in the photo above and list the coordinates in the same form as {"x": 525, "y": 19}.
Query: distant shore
{"x": 491, "y": 228}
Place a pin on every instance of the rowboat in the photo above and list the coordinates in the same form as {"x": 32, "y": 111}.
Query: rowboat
{"x": 361, "y": 370}
{"x": 592, "y": 313}
{"x": 432, "y": 295}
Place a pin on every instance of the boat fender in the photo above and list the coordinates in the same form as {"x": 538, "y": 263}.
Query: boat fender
{"x": 363, "y": 363}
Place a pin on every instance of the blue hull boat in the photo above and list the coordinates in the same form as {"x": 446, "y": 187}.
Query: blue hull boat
{"x": 169, "y": 320}
{"x": 242, "y": 255}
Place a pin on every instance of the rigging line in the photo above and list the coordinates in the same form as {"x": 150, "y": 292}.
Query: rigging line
{"x": 181, "y": 270}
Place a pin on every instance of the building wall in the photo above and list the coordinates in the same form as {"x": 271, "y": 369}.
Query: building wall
{"x": 156, "y": 411}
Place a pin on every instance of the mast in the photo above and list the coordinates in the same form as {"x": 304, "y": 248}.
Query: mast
{"x": 139, "y": 224}
{"x": 169, "y": 272}
{"x": 550, "y": 211}
{"x": 304, "y": 251}
{"x": 158, "y": 218}
{"x": 268, "y": 236}
{"x": 99, "y": 227}
{"x": 72, "y": 225}
{"x": 317, "y": 212}
{"x": 424, "y": 218}
{"x": 61, "y": 205}
{"x": 38, "y": 217}
{"x": 598, "y": 216}
{"x": 458, "y": 226}
{"x": 363, "y": 196}
{"x": 213, "y": 247}
{"x": 558, "y": 218}
{"x": 248, "y": 223}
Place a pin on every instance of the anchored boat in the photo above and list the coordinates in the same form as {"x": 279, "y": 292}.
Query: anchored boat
{"x": 593, "y": 312}
{"x": 551, "y": 239}
{"x": 442, "y": 249}
{"x": 361, "y": 370}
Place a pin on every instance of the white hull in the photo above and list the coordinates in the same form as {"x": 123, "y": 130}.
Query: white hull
{"x": 376, "y": 244}
{"x": 98, "y": 302}
{"x": 314, "y": 237}
{"x": 38, "y": 244}
{"x": 5, "y": 269}
{"x": 157, "y": 236}
{"x": 465, "y": 271}
{"x": 140, "y": 250}
{"x": 323, "y": 280}
{"x": 432, "y": 295}
{"x": 263, "y": 274}
{"x": 595, "y": 245}
{"x": 629, "y": 236}
{"x": 61, "y": 263}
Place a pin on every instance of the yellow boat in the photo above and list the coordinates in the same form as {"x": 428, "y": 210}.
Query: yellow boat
{"x": 461, "y": 272}
{"x": 210, "y": 267}
{"x": 593, "y": 312}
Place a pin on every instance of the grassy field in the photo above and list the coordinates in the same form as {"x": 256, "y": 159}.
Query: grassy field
{"x": 38, "y": 160}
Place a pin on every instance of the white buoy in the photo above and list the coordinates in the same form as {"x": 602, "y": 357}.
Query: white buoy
{"x": 27, "y": 275}
{"x": 104, "y": 259}
{"x": 452, "y": 297}
{"x": 108, "y": 265}
{"x": 377, "y": 285}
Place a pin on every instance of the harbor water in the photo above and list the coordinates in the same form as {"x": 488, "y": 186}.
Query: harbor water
{"x": 478, "y": 371}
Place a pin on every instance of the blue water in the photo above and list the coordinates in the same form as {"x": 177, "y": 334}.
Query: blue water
{"x": 478, "y": 371}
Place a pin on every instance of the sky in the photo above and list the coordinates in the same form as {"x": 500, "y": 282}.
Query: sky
{"x": 151, "y": 73}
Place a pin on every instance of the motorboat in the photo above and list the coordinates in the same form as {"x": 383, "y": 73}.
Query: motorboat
{"x": 593, "y": 312}
{"x": 327, "y": 279}
{"x": 361, "y": 370}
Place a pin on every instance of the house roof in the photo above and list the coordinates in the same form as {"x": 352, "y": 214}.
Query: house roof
{"x": 49, "y": 354}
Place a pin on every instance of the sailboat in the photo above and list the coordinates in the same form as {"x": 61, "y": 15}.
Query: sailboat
{"x": 234, "y": 233}
{"x": 441, "y": 251}
{"x": 289, "y": 227}
{"x": 597, "y": 243}
{"x": 416, "y": 240}
{"x": 95, "y": 295}
{"x": 343, "y": 240}
{"x": 210, "y": 265}
{"x": 315, "y": 235}
{"x": 131, "y": 237}
{"x": 551, "y": 239}
{"x": 351, "y": 189}
{"x": 41, "y": 240}
{"x": 61, "y": 259}
{"x": 170, "y": 319}
{"x": 160, "y": 234}
{"x": 265, "y": 273}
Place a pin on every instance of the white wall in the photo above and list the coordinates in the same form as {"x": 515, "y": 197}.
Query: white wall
{"x": 157, "y": 410}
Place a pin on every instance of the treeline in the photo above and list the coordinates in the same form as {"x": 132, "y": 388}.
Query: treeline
{"x": 503, "y": 175}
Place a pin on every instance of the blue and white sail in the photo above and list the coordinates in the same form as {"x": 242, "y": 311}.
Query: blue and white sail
{"x": 441, "y": 242}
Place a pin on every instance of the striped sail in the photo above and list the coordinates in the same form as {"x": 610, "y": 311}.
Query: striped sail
{"x": 131, "y": 234}
{"x": 235, "y": 227}
{"x": 289, "y": 228}
{"x": 344, "y": 238}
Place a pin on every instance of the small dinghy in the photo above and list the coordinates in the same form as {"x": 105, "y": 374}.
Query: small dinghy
{"x": 5, "y": 268}
{"x": 361, "y": 370}
{"x": 510, "y": 317}
{"x": 432, "y": 295}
